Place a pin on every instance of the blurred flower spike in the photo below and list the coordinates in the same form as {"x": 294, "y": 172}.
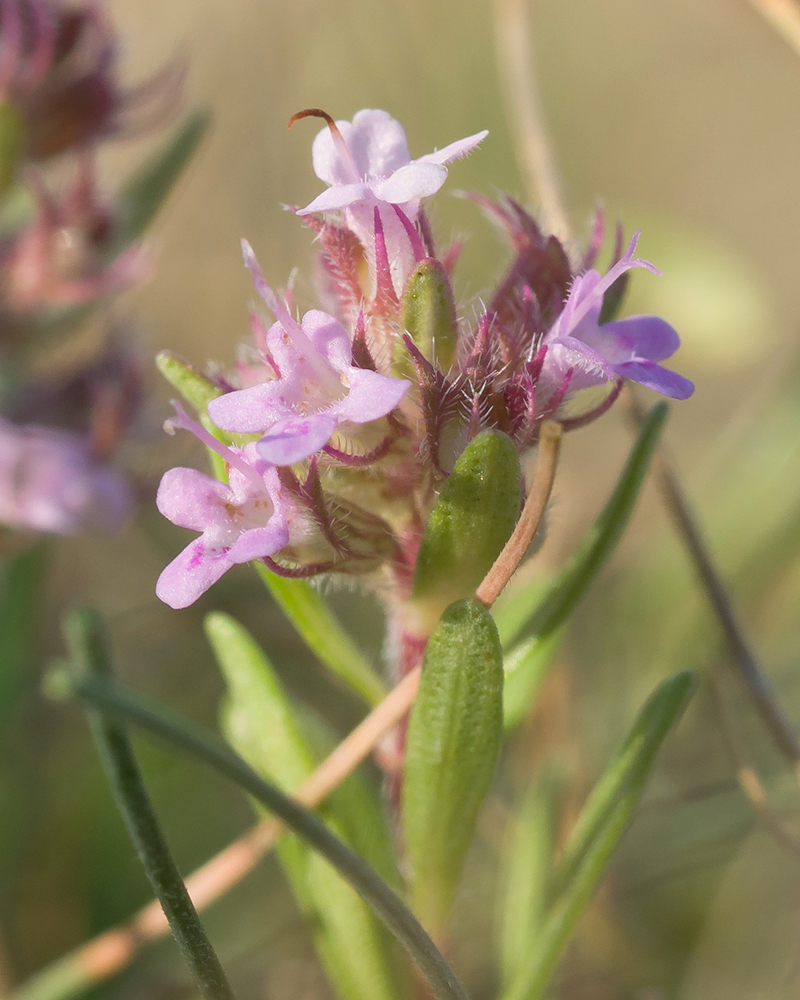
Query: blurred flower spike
{"x": 361, "y": 411}
{"x": 58, "y": 71}
{"x": 68, "y": 247}
{"x": 51, "y": 481}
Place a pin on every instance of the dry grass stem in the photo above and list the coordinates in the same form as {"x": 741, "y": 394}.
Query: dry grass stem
{"x": 784, "y": 16}
{"x": 747, "y": 776}
{"x": 747, "y": 666}
{"x": 525, "y": 115}
{"x": 112, "y": 951}
{"x": 532, "y": 513}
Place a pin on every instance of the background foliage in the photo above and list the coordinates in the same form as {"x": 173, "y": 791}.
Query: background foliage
{"x": 682, "y": 116}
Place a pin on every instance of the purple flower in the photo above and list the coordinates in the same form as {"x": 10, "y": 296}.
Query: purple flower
{"x": 50, "y": 481}
{"x": 366, "y": 163}
{"x": 317, "y": 389}
{"x": 243, "y": 519}
{"x": 628, "y": 348}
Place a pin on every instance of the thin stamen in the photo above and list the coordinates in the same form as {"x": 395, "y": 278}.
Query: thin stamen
{"x": 321, "y": 367}
{"x": 338, "y": 139}
{"x": 233, "y": 458}
{"x": 625, "y": 263}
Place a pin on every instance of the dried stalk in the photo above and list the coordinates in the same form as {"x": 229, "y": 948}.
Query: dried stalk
{"x": 525, "y": 115}
{"x": 784, "y": 16}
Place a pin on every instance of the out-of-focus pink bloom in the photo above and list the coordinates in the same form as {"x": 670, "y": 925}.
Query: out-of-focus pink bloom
{"x": 60, "y": 259}
{"x": 595, "y": 354}
{"x": 318, "y": 386}
{"x": 366, "y": 163}
{"x": 58, "y": 69}
{"x": 50, "y": 481}
{"x": 243, "y": 519}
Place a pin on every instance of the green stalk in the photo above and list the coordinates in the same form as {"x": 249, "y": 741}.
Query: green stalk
{"x": 118, "y": 700}
{"x": 90, "y": 662}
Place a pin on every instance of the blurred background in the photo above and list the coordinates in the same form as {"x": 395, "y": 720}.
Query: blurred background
{"x": 682, "y": 118}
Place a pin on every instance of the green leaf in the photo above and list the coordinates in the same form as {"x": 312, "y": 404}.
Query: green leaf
{"x": 195, "y": 388}
{"x": 525, "y": 669}
{"x": 473, "y": 518}
{"x": 428, "y": 315}
{"x": 600, "y": 826}
{"x": 527, "y": 864}
{"x": 452, "y": 745}
{"x": 143, "y": 195}
{"x": 548, "y": 611}
{"x": 260, "y": 724}
{"x": 322, "y": 633}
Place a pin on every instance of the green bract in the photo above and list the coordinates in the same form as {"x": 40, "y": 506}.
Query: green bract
{"x": 428, "y": 315}
{"x": 453, "y": 740}
{"x": 472, "y": 520}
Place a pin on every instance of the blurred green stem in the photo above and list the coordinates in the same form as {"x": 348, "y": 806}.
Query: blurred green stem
{"x": 90, "y": 661}
{"x": 120, "y": 701}
{"x": 749, "y": 670}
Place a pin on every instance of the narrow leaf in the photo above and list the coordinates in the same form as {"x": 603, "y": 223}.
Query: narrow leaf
{"x": 317, "y": 626}
{"x": 143, "y": 195}
{"x": 120, "y": 702}
{"x": 547, "y": 612}
{"x": 452, "y": 745}
{"x": 473, "y": 518}
{"x": 195, "y": 388}
{"x": 90, "y": 658}
{"x": 526, "y": 668}
{"x": 260, "y": 724}
{"x": 600, "y": 826}
{"x": 527, "y": 864}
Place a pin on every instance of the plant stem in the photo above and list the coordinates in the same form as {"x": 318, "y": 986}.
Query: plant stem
{"x": 91, "y": 663}
{"x": 120, "y": 701}
{"x": 784, "y": 16}
{"x": 526, "y": 118}
{"x": 114, "y": 949}
{"x": 749, "y": 670}
{"x": 515, "y": 548}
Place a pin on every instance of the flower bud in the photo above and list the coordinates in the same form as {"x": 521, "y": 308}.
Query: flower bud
{"x": 428, "y": 314}
{"x": 472, "y": 520}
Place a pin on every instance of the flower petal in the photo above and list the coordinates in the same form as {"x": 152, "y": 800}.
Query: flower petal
{"x": 371, "y": 396}
{"x": 329, "y": 337}
{"x": 191, "y": 573}
{"x": 650, "y": 336}
{"x": 190, "y": 498}
{"x": 296, "y": 438}
{"x": 337, "y": 196}
{"x": 589, "y": 367}
{"x": 259, "y": 542}
{"x": 248, "y": 411}
{"x": 378, "y": 143}
{"x": 455, "y": 150}
{"x": 653, "y": 376}
{"x": 416, "y": 180}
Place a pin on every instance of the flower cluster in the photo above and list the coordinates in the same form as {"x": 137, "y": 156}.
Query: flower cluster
{"x": 339, "y": 427}
{"x": 65, "y": 247}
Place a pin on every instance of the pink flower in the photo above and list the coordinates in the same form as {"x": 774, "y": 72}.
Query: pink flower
{"x": 317, "y": 388}
{"x": 243, "y": 519}
{"x": 628, "y": 348}
{"x": 366, "y": 163}
{"x": 50, "y": 481}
